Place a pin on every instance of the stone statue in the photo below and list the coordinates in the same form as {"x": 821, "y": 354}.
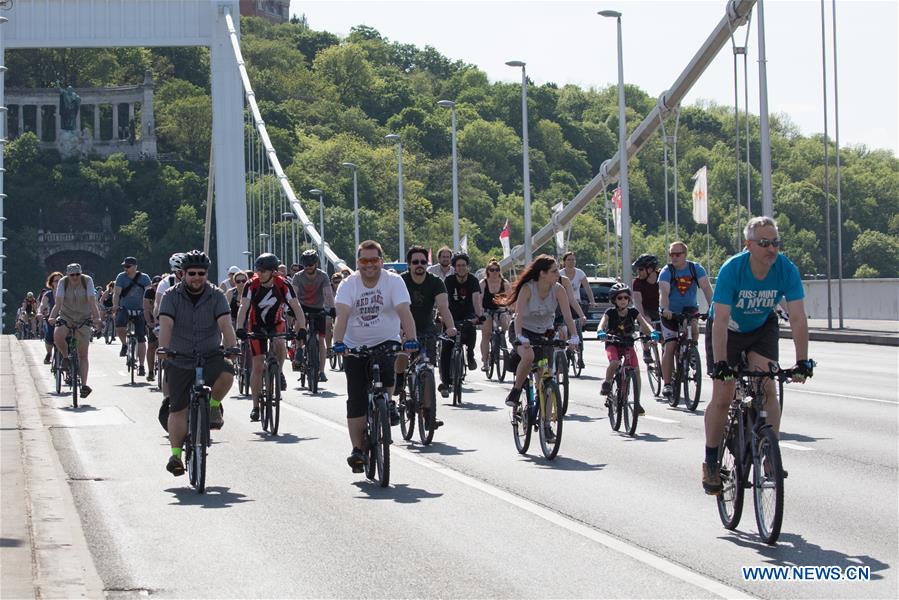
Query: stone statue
{"x": 69, "y": 105}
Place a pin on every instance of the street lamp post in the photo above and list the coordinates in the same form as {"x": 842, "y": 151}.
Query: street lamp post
{"x": 622, "y": 153}
{"x": 452, "y": 105}
{"x": 321, "y": 223}
{"x": 399, "y": 153}
{"x": 264, "y": 242}
{"x": 249, "y": 256}
{"x": 764, "y": 126}
{"x": 289, "y": 216}
{"x": 350, "y": 165}
{"x": 526, "y": 161}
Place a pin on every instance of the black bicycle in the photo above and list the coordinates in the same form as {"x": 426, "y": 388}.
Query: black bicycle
{"x": 498, "y": 352}
{"x": 687, "y": 376}
{"x": 73, "y": 375}
{"x": 336, "y": 361}
{"x": 244, "y": 368}
{"x": 418, "y": 396}
{"x": 542, "y": 407}
{"x": 576, "y": 355}
{"x": 625, "y": 393}
{"x": 310, "y": 366}
{"x": 270, "y": 395}
{"x": 377, "y": 436}
{"x": 131, "y": 343}
{"x": 749, "y": 455}
{"x": 109, "y": 327}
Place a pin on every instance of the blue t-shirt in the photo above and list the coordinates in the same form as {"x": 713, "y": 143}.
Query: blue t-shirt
{"x": 752, "y": 300}
{"x": 135, "y": 298}
{"x": 683, "y": 288}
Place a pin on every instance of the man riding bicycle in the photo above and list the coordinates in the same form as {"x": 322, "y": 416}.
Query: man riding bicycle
{"x": 76, "y": 301}
{"x": 313, "y": 288}
{"x": 748, "y": 289}
{"x": 262, "y": 306}
{"x": 679, "y": 282}
{"x": 29, "y": 311}
{"x": 645, "y": 287}
{"x": 128, "y": 302}
{"x": 194, "y": 317}
{"x": 152, "y": 323}
{"x": 464, "y": 294}
{"x": 372, "y": 307}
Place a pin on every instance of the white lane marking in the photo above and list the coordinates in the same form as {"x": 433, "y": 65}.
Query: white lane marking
{"x": 603, "y": 539}
{"x": 796, "y": 447}
{"x": 123, "y": 373}
{"x": 493, "y": 385}
{"x": 659, "y": 419}
{"x": 790, "y": 390}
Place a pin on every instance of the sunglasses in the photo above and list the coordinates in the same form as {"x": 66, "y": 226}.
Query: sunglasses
{"x": 196, "y": 273}
{"x": 622, "y": 297}
{"x": 240, "y": 281}
{"x": 368, "y": 262}
{"x": 676, "y": 253}
{"x": 418, "y": 262}
{"x": 74, "y": 274}
{"x": 765, "y": 242}
{"x": 493, "y": 270}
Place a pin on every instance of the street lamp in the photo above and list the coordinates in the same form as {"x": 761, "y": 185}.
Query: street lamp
{"x": 526, "y": 184}
{"x": 321, "y": 222}
{"x": 399, "y": 152}
{"x": 264, "y": 242}
{"x": 289, "y": 216}
{"x": 452, "y": 105}
{"x": 622, "y": 152}
{"x": 249, "y": 256}
{"x": 350, "y": 165}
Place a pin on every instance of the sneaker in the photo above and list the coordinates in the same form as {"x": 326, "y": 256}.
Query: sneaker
{"x": 711, "y": 479}
{"x": 606, "y": 388}
{"x": 322, "y": 376}
{"x": 472, "y": 363}
{"x": 47, "y": 359}
{"x": 438, "y": 424}
{"x": 667, "y": 390}
{"x": 548, "y": 434}
{"x": 123, "y": 352}
{"x": 141, "y": 371}
{"x": 283, "y": 382}
{"x": 444, "y": 390}
{"x": 580, "y": 363}
{"x": 512, "y": 398}
{"x": 639, "y": 408}
{"x": 394, "y": 413}
{"x": 398, "y": 385}
{"x": 216, "y": 418}
{"x": 254, "y": 415}
{"x": 356, "y": 460}
{"x": 175, "y": 466}
{"x": 484, "y": 366}
{"x": 86, "y": 391}
{"x": 151, "y": 376}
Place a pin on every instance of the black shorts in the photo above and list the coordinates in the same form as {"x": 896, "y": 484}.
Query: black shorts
{"x": 315, "y": 320}
{"x": 670, "y": 327}
{"x": 181, "y": 380}
{"x": 764, "y": 341}
{"x": 539, "y": 351}
{"x": 357, "y": 379}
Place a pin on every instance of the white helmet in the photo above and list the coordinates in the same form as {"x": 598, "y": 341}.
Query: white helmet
{"x": 175, "y": 261}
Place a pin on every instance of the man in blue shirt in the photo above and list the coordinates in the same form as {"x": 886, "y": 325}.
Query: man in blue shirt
{"x": 678, "y": 283}
{"x": 748, "y": 289}
{"x": 128, "y": 303}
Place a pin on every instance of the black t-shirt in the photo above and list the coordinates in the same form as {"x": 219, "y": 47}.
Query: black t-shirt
{"x": 649, "y": 295}
{"x": 622, "y": 326}
{"x": 461, "y": 296}
{"x": 422, "y": 297}
{"x": 150, "y": 294}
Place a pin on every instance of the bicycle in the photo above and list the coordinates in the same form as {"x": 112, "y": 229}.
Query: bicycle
{"x": 561, "y": 362}
{"x": 131, "y": 344}
{"x": 576, "y": 356}
{"x": 336, "y": 361}
{"x": 198, "y": 439}
{"x": 653, "y": 365}
{"x": 458, "y": 366}
{"x": 419, "y": 401}
{"x": 543, "y": 410}
{"x": 310, "y": 366}
{"x": 749, "y": 444}
{"x": 687, "y": 363}
{"x": 109, "y": 327}
{"x": 377, "y": 437}
{"x": 625, "y": 394}
{"x": 270, "y": 395}
{"x": 498, "y": 352}
{"x": 244, "y": 368}
{"x": 74, "y": 373}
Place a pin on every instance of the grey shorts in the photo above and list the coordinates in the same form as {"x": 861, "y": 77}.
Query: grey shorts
{"x": 181, "y": 380}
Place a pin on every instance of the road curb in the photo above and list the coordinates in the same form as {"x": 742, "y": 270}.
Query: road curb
{"x": 62, "y": 563}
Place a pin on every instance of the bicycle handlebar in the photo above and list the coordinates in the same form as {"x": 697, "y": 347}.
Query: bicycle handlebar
{"x": 774, "y": 372}
{"x": 261, "y": 335}
{"x": 388, "y": 347}
{"x": 616, "y": 339}
{"x": 62, "y": 322}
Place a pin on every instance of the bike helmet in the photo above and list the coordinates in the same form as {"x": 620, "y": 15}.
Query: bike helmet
{"x": 460, "y": 255}
{"x": 619, "y": 288}
{"x": 29, "y": 295}
{"x": 646, "y": 261}
{"x": 309, "y": 257}
{"x": 195, "y": 258}
{"x": 267, "y": 262}
{"x": 73, "y": 269}
{"x": 175, "y": 261}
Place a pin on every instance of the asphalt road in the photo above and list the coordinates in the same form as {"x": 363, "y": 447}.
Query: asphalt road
{"x": 611, "y": 516}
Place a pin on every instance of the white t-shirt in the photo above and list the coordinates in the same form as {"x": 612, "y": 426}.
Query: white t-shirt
{"x": 579, "y": 276}
{"x": 167, "y": 283}
{"x": 373, "y": 318}
{"x": 437, "y": 269}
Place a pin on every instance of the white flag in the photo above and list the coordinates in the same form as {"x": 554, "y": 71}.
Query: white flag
{"x": 463, "y": 244}
{"x": 701, "y": 196}
{"x": 616, "y": 210}
{"x": 560, "y": 234}
{"x": 504, "y": 239}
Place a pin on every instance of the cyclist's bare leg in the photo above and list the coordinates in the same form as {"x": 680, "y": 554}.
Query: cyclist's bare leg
{"x": 280, "y": 351}
{"x": 120, "y": 331}
{"x": 329, "y": 332}
{"x": 256, "y": 378}
{"x": 401, "y": 362}
{"x": 322, "y": 350}
{"x": 486, "y": 334}
{"x": 524, "y": 367}
{"x": 222, "y": 385}
{"x": 177, "y": 428}
{"x": 59, "y": 336}
{"x": 757, "y": 362}
{"x": 716, "y": 411}
{"x": 83, "y": 365}
{"x": 151, "y": 355}
{"x": 356, "y": 427}
{"x": 610, "y": 370}
{"x": 141, "y": 352}
{"x": 668, "y": 360}
{"x": 504, "y": 321}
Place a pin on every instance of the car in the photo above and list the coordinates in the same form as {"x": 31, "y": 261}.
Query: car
{"x": 600, "y": 287}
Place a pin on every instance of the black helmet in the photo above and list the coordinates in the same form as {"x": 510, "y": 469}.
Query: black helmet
{"x": 460, "y": 255}
{"x": 267, "y": 262}
{"x": 645, "y": 261}
{"x": 619, "y": 288}
{"x": 195, "y": 258}
{"x": 309, "y": 257}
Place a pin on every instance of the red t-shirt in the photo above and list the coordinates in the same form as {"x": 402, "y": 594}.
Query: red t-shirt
{"x": 267, "y": 303}
{"x": 649, "y": 295}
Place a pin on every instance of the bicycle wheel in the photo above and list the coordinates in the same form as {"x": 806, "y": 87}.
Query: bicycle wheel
{"x": 654, "y": 372}
{"x": 614, "y": 407}
{"x": 676, "y": 379}
{"x": 243, "y": 373}
{"x": 503, "y": 359}
{"x": 132, "y": 357}
{"x": 271, "y": 382}
{"x": 57, "y": 370}
{"x": 730, "y": 459}
{"x": 550, "y": 420}
{"x": 767, "y": 485}
{"x": 780, "y": 394}
{"x": 426, "y": 401}
{"x": 75, "y": 375}
{"x": 314, "y": 364}
{"x": 200, "y": 439}
{"x": 492, "y": 358}
{"x": 372, "y": 437}
{"x": 340, "y": 362}
{"x": 562, "y": 371}
{"x": 109, "y": 331}
{"x": 630, "y": 396}
{"x": 273, "y": 412}
{"x": 692, "y": 378}
{"x": 406, "y": 406}
{"x": 457, "y": 378}
{"x": 521, "y": 422}
{"x": 332, "y": 361}
{"x": 382, "y": 448}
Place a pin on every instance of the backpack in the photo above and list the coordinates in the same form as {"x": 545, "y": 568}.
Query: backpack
{"x": 133, "y": 283}
{"x": 692, "y": 266}
{"x": 65, "y": 283}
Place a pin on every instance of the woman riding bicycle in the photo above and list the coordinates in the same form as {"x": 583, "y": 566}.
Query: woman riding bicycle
{"x": 48, "y": 301}
{"x": 492, "y": 285}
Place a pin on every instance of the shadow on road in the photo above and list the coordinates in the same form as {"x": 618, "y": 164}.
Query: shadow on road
{"x": 798, "y": 437}
{"x": 580, "y": 418}
{"x": 793, "y": 550}
{"x": 79, "y": 409}
{"x": 473, "y": 406}
{"x": 563, "y": 463}
{"x": 215, "y": 497}
{"x": 11, "y": 542}
{"x": 136, "y": 384}
{"x": 401, "y": 493}
{"x": 649, "y": 437}
{"x": 441, "y": 448}
{"x": 282, "y": 438}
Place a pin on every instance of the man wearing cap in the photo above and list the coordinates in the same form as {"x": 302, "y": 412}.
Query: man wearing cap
{"x": 76, "y": 301}
{"x": 228, "y": 283}
{"x": 128, "y": 304}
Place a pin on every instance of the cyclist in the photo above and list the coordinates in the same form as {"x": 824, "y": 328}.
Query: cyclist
{"x": 443, "y": 269}
{"x": 76, "y": 300}
{"x": 336, "y": 278}
{"x": 679, "y": 282}
{"x": 29, "y": 311}
{"x": 749, "y": 287}
{"x": 128, "y": 297}
{"x": 262, "y": 309}
{"x": 372, "y": 306}
{"x": 168, "y": 281}
{"x": 466, "y": 306}
{"x": 536, "y": 294}
{"x": 194, "y": 317}
{"x": 312, "y": 287}
{"x": 152, "y": 324}
{"x": 646, "y": 294}
{"x": 234, "y": 294}
{"x": 426, "y": 291}
{"x": 621, "y": 320}
{"x": 493, "y": 285}
{"x": 228, "y": 283}
{"x": 48, "y": 301}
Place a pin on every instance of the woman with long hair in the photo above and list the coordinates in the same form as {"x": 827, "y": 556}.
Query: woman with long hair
{"x": 536, "y": 295}
{"x": 492, "y": 287}
{"x": 48, "y": 300}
